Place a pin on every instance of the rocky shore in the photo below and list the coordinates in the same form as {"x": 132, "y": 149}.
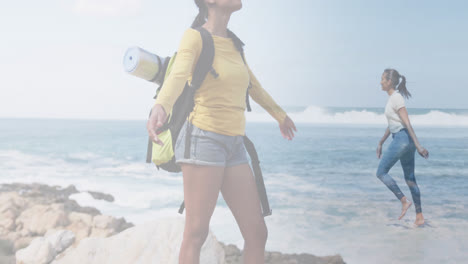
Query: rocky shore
{"x": 39, "y": 224}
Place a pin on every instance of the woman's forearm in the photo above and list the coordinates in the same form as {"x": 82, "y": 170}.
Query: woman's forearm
{"x": 385, "y": 136}
{"x": 412, "y": 134}
{"x": 403, "y": 113}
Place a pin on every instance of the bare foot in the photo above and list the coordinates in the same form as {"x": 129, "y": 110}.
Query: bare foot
{"x": 419, "y": 220}
{"x": 405, "y": 204}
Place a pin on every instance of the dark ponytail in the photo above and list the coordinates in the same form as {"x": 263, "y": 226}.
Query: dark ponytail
{"x": 202, "y": 14}
{"x": 402, "y": 88}
{"x": 394, "y": 77}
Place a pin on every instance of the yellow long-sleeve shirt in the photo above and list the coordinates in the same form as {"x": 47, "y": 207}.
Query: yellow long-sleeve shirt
{"x": 219, "y": 102}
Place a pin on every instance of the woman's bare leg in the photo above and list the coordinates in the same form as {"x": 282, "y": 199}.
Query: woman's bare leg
{"x": 201, "y": 191}
{"x": 240, "y": 193}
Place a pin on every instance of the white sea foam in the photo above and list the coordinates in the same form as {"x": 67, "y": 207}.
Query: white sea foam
{"x": 319, "y": 115}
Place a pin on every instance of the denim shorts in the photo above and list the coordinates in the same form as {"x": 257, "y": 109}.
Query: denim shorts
{"x": 209, "y": 148}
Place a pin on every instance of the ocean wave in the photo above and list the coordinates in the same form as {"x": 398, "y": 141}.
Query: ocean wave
{"x": 320, "y": 115}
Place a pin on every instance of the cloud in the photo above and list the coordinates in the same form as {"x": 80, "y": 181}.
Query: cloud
{"x": 107, "y": 7}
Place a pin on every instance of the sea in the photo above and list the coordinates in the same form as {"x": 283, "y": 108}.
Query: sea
{"x": 322, "y": 187}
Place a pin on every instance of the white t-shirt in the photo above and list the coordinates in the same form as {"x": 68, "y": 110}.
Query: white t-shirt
{"x": 395, "y": 102}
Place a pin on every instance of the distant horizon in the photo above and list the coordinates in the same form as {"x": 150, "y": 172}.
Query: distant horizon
{"x": 256, "y": 110}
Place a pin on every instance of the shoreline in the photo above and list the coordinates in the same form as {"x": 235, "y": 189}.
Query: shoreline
{"x": 29, "y": 211}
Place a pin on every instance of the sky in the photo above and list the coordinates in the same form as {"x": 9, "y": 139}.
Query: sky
{"x": 63, "y": 58}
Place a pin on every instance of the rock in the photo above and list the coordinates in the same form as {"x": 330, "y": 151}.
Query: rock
{"x": 11, "y": 199}
{"x": 37, "y": 219}
{"x": 97, "y": 232}
{"x": 153, "y": 242}
{"x": 104, "y": 226}
{"x": 75, "y": 217}
{"x": 71, "y": 189}
{"x": 27, "y": 211}
{"x": 80, "y": 230}
{"x": 234, "y": 256}
{"x": 105, "y": 222}
{"x": 22, "y": 242}
{"x": 45, "y": 194}
{"x": 7, "y": 223}
{"x": 42, "y": 192}
{"x": 60, "y": 239}
{"x": 279, "y": 258}
{"x": 81, "y": 224}
{"x": 42, "y": 250}
{"x": 12, "y": 236}
{"x": 72, "y": 205}
{"x": 101, "y": 196}
{"x": 10, "y": 206}
{"x": 38, "y": 252}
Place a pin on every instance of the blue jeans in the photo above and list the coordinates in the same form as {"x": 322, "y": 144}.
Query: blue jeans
{"x": 402, "y": 148}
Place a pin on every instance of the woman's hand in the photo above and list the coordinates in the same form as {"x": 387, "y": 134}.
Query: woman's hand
{"x": 404, "y": 117}
{"x": 381, "y": 142}
{"x": 156, "y": 120}
{"x": 422, "y": 151}
{"x": 287, "y": 128}
{"x": 379, "y": 151}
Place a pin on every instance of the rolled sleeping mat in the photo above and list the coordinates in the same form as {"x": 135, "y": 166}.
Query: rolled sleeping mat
{"x": 143, "y": 64}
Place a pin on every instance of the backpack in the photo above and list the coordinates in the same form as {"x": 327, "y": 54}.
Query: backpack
{"x": 163, "y": 156}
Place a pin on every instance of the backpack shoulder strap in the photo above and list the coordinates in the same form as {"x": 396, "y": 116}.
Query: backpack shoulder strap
{"x": 240, "y": 47}
{"x": 205, "y": 60}
{"x": 237, "y": 42}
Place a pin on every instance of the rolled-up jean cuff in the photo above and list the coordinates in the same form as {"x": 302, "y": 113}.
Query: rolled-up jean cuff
{"x": 201, "y": 163}
{"x": 237, "y": 163}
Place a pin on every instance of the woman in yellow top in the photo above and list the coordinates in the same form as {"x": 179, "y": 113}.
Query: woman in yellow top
{"x": 217, "y": 159}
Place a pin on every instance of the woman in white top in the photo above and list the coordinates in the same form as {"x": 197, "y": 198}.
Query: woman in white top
{"x": 404, "y": 143}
